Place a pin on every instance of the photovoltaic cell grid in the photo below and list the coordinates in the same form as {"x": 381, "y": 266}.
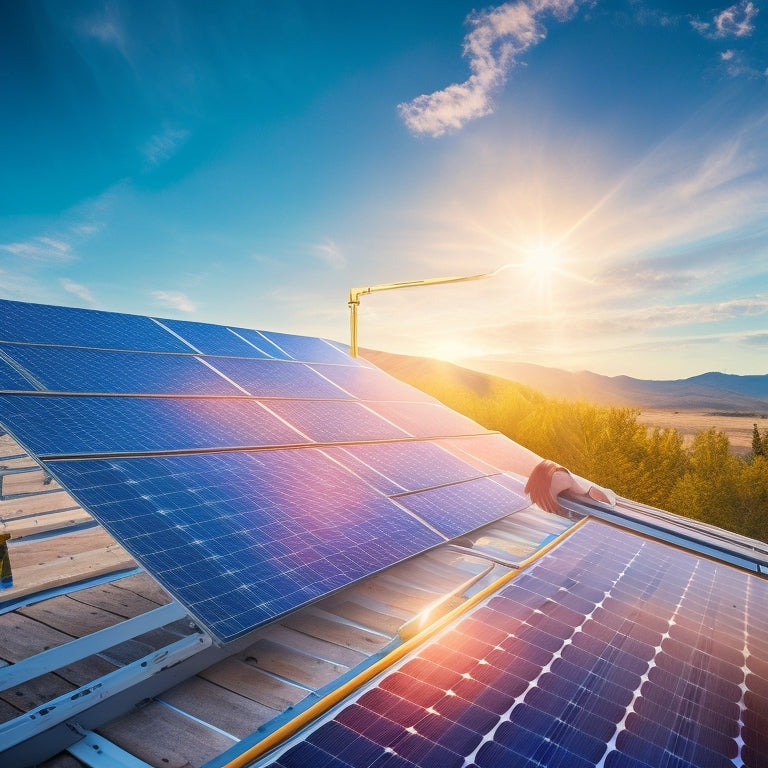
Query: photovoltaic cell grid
{"x": 79, "y": 369}
{"x": 66, "y": 326}
{"x": 11, "y": 379}
{"x": 241, "y": 538}
{"x": 211, "y": 464}
{"x": 213, "y": 339}
{"x": 370, "y": 383}
{"x": 277, "y": 378}
{"x": 61, "y": 425}
{"x": 428, "y": 465}
{"x": 462, "y": 507}
{"x": 613, "y": 650}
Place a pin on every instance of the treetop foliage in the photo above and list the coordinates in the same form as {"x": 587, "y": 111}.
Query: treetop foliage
{"x": 608, "y": 445}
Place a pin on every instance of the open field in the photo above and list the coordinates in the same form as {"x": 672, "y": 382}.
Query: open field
{"x": 689, "y": 423}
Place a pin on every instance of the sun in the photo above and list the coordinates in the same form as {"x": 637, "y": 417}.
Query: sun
{"x": 542, "y": 264}
{"x": 543, "y": 260}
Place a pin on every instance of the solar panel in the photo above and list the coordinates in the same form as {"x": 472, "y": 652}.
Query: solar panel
{"x": 241, "y": 538}
{"x": 335, "y": 421}
{"x": 66, "y": 326}
{"x": 260, "y": 341}
{"x": 456, "y": 509}
{"x": 73, "y": 369}
{"x": 11, "y": 379}
{"x": 194, "y": 446}
{"x": 370, "y": 383}
{"x": 427, "y": 419}
{"x": 213, "y": 339}
{"x": 278, "y": 378}
{"x": 308, "y": 349}
{"x": 411, "y": 466}
{"x": 612, "y": 650}
{"x": 491, "y": 449}
{"x": 61, "y": 425}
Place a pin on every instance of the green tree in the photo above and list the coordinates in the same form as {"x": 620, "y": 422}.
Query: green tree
{"x": 709, "y": 490}
{"x": 753, "y": 498}
{"x": 758, "y": 442}
{"x": 665, "y": 463}
{"x": 608, "y": 446}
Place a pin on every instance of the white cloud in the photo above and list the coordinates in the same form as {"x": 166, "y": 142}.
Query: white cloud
{"x": 735, "y": 21}
{"x": 329, "y": 252}
{"x": 162, "y": 146}
{"x": 175, "y": 300}
{"x": 107, "y": 27}
{"x": 498, "y": 37}
{"x": 76, "y": 289}
{"x": 41, "y": 248}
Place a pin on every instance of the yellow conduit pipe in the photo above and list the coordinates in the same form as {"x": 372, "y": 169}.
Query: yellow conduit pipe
{"x": 283, "y": 733}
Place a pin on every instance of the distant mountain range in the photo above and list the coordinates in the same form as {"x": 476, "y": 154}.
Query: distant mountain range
{"x": 719, "y": 392}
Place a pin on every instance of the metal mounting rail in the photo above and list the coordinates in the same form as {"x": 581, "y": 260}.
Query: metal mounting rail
{"x": 82, "y": 647}
{"x": 68, "y": 705}
{"x": 682, "y": 532}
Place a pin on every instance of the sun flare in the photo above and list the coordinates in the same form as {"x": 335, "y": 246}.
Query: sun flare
{"x": 543, "y": 261}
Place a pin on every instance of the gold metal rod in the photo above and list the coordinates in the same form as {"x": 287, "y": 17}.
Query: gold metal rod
{"x": 356, "y": 293}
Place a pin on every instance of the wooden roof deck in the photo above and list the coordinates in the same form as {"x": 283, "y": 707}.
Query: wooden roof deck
{"x": 72, "y": 580}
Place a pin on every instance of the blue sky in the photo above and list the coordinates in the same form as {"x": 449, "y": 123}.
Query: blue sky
{"x": 250, "y": 162}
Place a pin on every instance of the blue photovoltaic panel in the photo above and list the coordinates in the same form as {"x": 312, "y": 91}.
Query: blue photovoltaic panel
{"x": 309, "y": 349}
{"x": 67, "y": 369}
{"x": 44, "y": 324}
{"x": 212, "y": 339}
{"x": 492, "y": 449}
{"x": 11, "y": 379}
{"x": 613, "y": 651}
{"x": 260, "y": 341}
{"x": 371, "y": 383}
{"x": 334, "y": 421}
{"x": 457, "y": 509}
{"x": 412, "y": 466}
{"x": 277, "y": 378}
{"x": 370, "y": 475}
{"x": 241, "y": 538}
{"x": 49, "y": 425}
{"x": 427, "y": 419}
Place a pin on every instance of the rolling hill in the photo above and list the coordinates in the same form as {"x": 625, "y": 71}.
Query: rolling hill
{"x": 719, "y": 392}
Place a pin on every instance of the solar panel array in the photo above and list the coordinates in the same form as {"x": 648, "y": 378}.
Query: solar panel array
{"x": 612, "y": 650}
{"x": 250, "y": 472}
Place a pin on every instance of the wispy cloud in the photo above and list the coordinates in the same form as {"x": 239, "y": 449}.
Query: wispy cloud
{"x": 107, "y": 27}
{"x": 498, "y": 38}
{"x": 164, "y": 145}
{"x": 76, "y": 289}
{"x": 175, "y": 300}
{"x": 42, "y": 248}
{"x": 330, "y": 253}
{"x": 735, "y": 21}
